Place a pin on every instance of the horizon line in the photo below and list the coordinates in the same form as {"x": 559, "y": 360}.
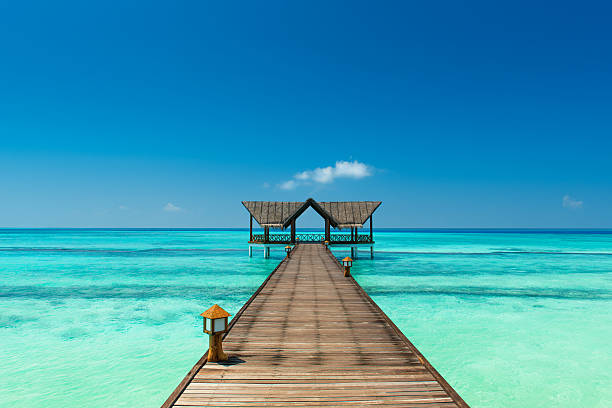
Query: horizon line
{"x": 315, "y": 228}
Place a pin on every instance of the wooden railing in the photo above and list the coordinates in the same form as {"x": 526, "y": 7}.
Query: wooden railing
{"x": 334, "y": 238}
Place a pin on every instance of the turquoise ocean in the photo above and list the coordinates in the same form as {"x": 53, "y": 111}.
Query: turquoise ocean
{"x": 110, "y": 318}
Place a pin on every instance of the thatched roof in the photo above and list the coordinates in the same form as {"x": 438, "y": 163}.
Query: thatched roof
{"x": 341, "y": 214}
{"x": 350, "y": 213}
{"x": 273, "y": 214}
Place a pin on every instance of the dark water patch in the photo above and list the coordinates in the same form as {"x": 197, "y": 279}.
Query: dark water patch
{"x": 561, "y": 231}
{"x": 470, "y": 271}
{"x": 547, "y": 293}
{"x": 115, "y": 252}
{"x": 490, "y": 253}
{"x": 74, "y": 333}
{"x": 14, "y": 320}
{"x": 122, "y": 292}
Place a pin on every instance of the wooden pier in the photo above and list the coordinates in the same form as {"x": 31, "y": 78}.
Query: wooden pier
{"x": 309, "y": 337}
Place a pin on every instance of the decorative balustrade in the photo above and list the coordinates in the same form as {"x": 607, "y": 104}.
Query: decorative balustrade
{"x": 334, "y": 238}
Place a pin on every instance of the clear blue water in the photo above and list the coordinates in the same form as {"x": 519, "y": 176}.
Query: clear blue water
{"x": 111, "y": 318}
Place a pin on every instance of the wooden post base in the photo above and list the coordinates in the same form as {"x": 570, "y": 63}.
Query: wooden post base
{"x": 215, "y": 348}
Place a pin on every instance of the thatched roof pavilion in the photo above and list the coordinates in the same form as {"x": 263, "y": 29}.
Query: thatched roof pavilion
{"x": 337, "y": 214}
{"x": 341, "y": 214}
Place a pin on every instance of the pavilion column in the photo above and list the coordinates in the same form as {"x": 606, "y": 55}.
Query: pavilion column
{"x": 293, "y": 232}
{"x": 371, "y": 239}
{"x": 251, "y": 229}
{"x": 327, "y": 234}
{"x": 266, "y": 234}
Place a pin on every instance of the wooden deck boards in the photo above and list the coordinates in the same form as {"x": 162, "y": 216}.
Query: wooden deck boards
{"x": 312, "y": 338}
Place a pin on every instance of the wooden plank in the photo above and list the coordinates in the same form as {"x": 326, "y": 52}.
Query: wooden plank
{"x": 355, "y": 216}
{"x": 257, "y": 212}
{"x": 265, "y": 206}
{"x": 284, "y": 212}
{"x": 198, "y": 366}
{"x": 278, "y": 213}
{"x": 363, "y": 212}
{"x": 333, "y": 208}
{"x": 311, "y": 337}
{"x": 342, "y": 212}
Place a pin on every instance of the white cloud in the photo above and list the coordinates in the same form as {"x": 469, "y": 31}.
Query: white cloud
{"x": 353, "y": 169}
{"x": 172, "y": 208}
{"x": 571, "y": 202}
{"x": 288, "y": 185}
{"x": 123, "y": 207}
{"x": 266, "y": 185}
{"x": 327, "y": 175}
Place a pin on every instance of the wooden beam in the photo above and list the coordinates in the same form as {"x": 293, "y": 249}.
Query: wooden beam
{"x": 311, "y": 203}
{"x": 251, "y": 229}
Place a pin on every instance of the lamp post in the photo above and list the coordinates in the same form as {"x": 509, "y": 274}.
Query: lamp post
{"x": 288, "y": 251}
{"x": 215, "y": 324}
{"x": 347, "y": 262}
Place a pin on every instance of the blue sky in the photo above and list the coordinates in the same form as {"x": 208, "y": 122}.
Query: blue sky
{"x": 168, "y": 114}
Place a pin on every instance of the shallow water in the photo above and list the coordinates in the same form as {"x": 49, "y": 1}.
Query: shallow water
{"x": 111, "y": 318}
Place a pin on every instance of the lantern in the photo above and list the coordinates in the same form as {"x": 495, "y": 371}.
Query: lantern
{"x": 288, "y": 250}
{"x": 347, "y": 262}
{"x": 215, "y": 325}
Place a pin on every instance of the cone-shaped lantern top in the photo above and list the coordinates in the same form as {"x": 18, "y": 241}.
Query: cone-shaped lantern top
{"x": 215, "y": 312}
{"x": 347, "y": 259}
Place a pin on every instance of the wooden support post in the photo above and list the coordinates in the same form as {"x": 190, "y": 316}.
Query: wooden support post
{"x": 251, "y": 229}
{"x": 215, "y": 348}
{"x": 372, "y": 252}
{"x": 327, "y": 231}
{"x": 371, "y": 232}
{"x": 293, "y": 232}
{"x": 250, "y": 251}
{"x": 266, "y": 234}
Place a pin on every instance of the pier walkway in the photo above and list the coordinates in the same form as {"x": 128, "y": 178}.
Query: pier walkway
{"x": 309, "y": 337}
